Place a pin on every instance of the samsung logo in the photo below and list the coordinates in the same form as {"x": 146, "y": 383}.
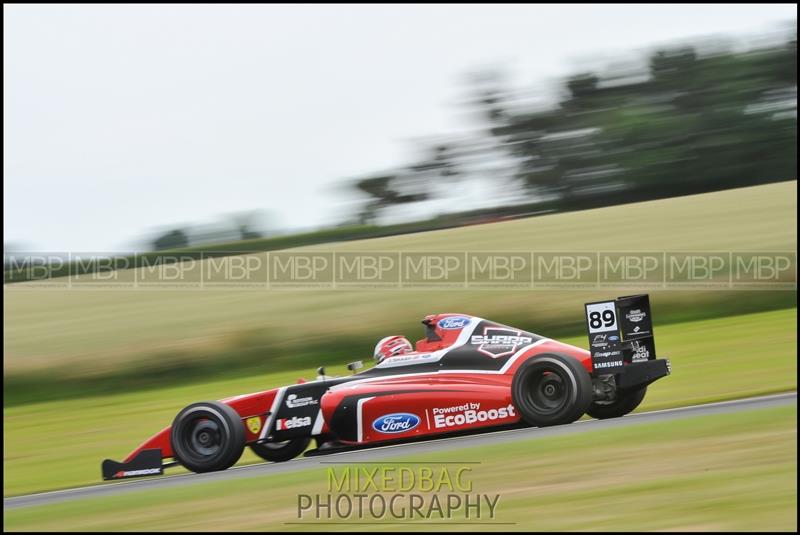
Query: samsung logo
{"x": 396, "y": 423}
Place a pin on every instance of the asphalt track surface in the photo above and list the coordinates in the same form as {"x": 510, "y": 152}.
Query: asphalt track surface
{"x": 386, "y": 453}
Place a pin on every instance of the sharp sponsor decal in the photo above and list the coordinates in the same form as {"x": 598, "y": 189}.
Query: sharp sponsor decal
{"x": 292, "y": 423}
{"x": 499, "y": 342}
{"x": 453, "y": 322}
{"x": 396, "y": 423}
{"x": 293, "y": 402}
{"x": 469, "y": 413}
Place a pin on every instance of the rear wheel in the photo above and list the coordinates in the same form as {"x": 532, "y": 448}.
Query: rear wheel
{"x": 625, "y": 403}
{"x": 207, "y": 437}
{"x": 281, "y": 451}
{"x": 551, "y": 390}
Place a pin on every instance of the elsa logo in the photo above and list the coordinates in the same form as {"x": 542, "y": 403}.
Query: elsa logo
{"x": 453, "y": 322}
{"x": 396, "y": 423}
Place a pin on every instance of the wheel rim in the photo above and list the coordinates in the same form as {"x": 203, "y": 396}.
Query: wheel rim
{"x": 202, "y": 439}
{"x": 547, "y": 392}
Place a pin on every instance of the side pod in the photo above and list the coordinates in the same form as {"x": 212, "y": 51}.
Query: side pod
{"x": 146, "y": 463}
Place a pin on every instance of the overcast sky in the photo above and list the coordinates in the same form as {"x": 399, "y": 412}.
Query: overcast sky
{"x": 122, "y": 119}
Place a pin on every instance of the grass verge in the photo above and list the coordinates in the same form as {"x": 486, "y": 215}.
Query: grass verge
{"x": 61, "y": 443}
{"x": 709, "y": 473}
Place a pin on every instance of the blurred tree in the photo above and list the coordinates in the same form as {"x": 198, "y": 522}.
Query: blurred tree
{"x": 382, "y": 192}
{"x": 174, "y": 239}
{"x": 413, "y": 184}
{"x": 247, "y": 224}
{"x": 697, "y": 118}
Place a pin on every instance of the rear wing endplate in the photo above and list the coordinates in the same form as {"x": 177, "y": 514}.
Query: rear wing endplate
{"x": 620, "y": 331}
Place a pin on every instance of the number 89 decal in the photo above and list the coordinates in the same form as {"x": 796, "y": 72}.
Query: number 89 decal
{"x": 601, "y": 317}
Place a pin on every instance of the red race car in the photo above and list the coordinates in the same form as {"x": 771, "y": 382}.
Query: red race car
{"x": 467, "y": 375}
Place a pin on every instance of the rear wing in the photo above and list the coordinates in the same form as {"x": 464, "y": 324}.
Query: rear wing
{"x": 620, "y": 332}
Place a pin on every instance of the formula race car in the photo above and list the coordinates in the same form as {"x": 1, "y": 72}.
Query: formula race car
{"x": 467, "y": 375}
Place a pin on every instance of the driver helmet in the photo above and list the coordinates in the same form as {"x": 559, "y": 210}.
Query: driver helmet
{"x": 391, "y": 346}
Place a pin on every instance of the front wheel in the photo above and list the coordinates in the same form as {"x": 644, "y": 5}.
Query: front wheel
{"x": 207, "y": 437}
{"x": 281, "y": 451}
{"x": 625, "y": 403}
{"x": 551, "y": 389}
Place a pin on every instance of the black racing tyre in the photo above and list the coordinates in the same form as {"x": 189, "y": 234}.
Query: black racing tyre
{"x": 551, "y": 389}
{"x": 625, "y": 403}
{"x": 281, "y": 451}
{"x": 207, "y": 436}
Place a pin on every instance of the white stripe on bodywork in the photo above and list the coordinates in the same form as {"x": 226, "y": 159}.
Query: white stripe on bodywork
{"x": 276, "y": 403}
{"x": 506, "y": 366}
{"x": 317, "y": 429}
{"x": 519, "y": 353}
{"x": 466, "y": 332}
{"x": 435, "y": 356}
{"x": 359, "y": 423}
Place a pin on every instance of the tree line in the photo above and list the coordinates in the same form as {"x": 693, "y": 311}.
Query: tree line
{"x": 692, "y": 120}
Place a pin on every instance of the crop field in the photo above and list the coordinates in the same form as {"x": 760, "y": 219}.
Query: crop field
{"x": 65, "y": 342}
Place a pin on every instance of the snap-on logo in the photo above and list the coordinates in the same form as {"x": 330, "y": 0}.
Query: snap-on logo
{"x": 396, "y": 423}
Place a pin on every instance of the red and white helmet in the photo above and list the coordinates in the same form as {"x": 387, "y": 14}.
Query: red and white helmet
{"x": 391, "y": 346}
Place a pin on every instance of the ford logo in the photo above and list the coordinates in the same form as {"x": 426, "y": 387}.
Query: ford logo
{"x": 453, "y": 322}
{"x": 613, "y": 338}
{"x": 396, "y": 423}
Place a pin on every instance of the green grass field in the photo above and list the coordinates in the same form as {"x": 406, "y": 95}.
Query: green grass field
{"x": 712, "y": 360}
{"x": 729, "y": 472}
{"x": 61, "y": 343}
{"x": 89, "y": 374}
